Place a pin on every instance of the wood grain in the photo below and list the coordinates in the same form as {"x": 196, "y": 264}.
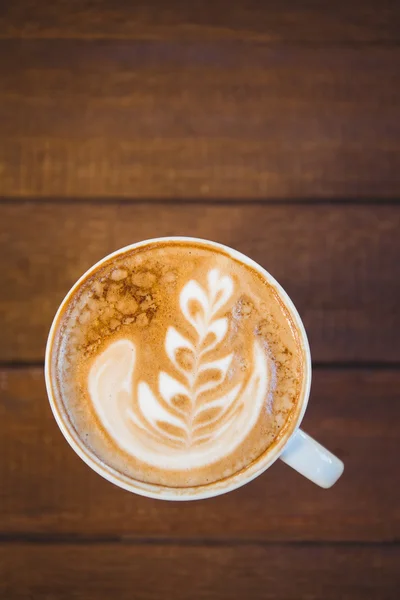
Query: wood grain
{"x": 215, "y": 573}
{"x": 170, "y": 119}
{"x": 269, "y": 21}
{"x": 115, "y": 114}
{"x": 47, "y": 489}
{"x": 338, "y": 263}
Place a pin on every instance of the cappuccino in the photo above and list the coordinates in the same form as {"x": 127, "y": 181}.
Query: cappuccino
{"x": 176, "y": 364}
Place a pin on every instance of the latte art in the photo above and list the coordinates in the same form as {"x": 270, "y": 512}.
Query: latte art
{"x": 196, "y": 416}
{"x": 176, "y": 364}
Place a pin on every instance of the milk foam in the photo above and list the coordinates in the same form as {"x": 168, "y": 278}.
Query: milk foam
{"x": 176, "y": 364}
{"x": 194, "y": 416}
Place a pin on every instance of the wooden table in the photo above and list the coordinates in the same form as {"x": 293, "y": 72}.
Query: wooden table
{"x": 273, "y": 127}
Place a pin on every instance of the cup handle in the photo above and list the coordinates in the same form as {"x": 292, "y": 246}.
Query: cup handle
{"x": 309, "y": 458}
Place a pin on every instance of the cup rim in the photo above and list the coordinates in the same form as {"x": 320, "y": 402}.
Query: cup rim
{"x": 217, "y": 488}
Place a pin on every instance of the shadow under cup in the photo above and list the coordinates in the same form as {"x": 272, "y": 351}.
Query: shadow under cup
{"x": 252, "y": 470}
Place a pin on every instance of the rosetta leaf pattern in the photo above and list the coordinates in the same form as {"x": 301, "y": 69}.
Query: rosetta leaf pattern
{"x": 199, "y": 375}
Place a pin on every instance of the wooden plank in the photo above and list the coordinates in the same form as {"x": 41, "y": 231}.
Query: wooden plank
{"x": 47, "y": 489}
{"x": 168, "y": 119}
{"x": 338, "y": 263}
{"x": 216, "y": 573}
{"x": 266, "y": 21}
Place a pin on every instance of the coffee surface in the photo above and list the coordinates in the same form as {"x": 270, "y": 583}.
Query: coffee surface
{"x": 176, "y": 364}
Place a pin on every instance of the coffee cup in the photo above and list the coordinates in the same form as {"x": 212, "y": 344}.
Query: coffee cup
{"x": 178, "y": 368}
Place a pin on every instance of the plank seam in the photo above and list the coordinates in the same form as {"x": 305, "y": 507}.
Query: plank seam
{"x": 61, "y": 539}
{"x": 282, "y": 43}
{"x": 99, "y": 200}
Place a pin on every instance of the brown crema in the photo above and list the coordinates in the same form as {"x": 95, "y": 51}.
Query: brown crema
{"x": 136, "y": 297}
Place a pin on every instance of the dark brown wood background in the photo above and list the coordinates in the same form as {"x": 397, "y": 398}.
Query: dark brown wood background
{"x": 274, "y": 127}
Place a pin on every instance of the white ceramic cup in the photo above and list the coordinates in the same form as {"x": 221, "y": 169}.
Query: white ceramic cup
{"x": 296, "y": 448}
